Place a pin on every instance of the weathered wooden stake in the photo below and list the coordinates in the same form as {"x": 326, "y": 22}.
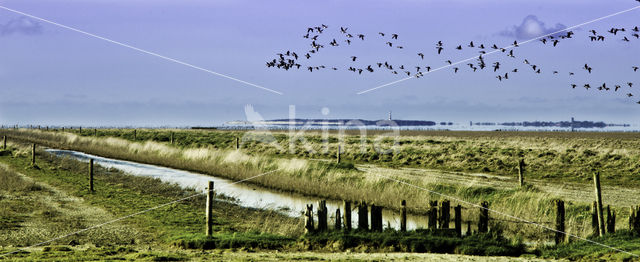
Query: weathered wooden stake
{"x": 634, "y": 219}
{"x": 80, "y": 130}
{"x": 91, "y": 175}
{"x": 338, "y": 155}
{"x": 433, "y": 215}
{"x": 347, "y": 215}
{"x": 322, "y": 215}
{"x": 596, "y": 181}
{"x": 210, "y": 193}
{"x": 611, "y": 220}
{"x": 376, "y": 218}
{"x": 135, "y": 134}
{"x": 445, "y": 214}
{"x": 521, "y": 166}
{"x": 95, "y": 132}
{"x": 4, "y": 142}
{"x": 560, "y": 235}
{"x": 33, "y": 154}
{"x": 483, "y": 221}
{"x": 403, "y": 216}
{"x": 594, "y": 219}
{"x": 308, "y": 219}
{"x": 338, "y": 224}
{"x": 363, "y": 216}
{"x": 458, "y": 219}
{"x": 172, "y": 138}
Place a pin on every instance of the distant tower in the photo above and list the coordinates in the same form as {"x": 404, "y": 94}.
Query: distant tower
{"x": 572, "y": 124}
{"x": 389, "y": 115}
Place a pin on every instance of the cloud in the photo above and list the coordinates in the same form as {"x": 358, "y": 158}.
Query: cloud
{"x": 21, "y": 25}
{"x": 531, "y": 27}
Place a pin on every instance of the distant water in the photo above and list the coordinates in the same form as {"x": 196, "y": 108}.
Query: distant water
{"x": 453, "y": 127}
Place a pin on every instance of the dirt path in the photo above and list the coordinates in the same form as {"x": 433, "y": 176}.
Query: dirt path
{"x": 46, "y": 213}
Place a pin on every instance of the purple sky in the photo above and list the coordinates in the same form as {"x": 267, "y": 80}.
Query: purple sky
{"x": 51, "y": 75}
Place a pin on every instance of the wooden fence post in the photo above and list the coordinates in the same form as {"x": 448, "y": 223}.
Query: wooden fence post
{"x": 403, "y": 216}
{"x": 611, "y": 220}
{"x": 363, "y": 217}
{"x": 172, "y": 138}
{"x": 80, "y": 130}
{"x": 338, "y": 224}
{"x": 4, "y": 142}
{"x": 445, "y": 213}
{"x": 458, "y": 219}
{"x": 376, "y": 218}
{"x": 210, "y": 208}
{"x": 91, "y": 175}
{"x": 237, "y": 143}
{"x": 322, "y": 215}
{"x": 347, "y": 215}
{"x": 33, "y": 154}
{"x": 433, "y": 215}
{"x": 634, "y": 219}
{"x": 521, "y": 166}
{"x": 483, "y": 222}
{"x": 338, "y": 155}
{"x": 308, "y": 219}
{"x": 95, "y": 132}
{"x": 560, "y": 235}
{"x": 594, "y": 219}
{"x": 596, "y": 181}
{"x": 135, "y": 134}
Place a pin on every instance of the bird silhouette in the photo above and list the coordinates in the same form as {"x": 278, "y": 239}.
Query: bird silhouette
{"x": 394, "y": 36}
{"x": 353, "y": 58}
{"x": 421, "y": 55}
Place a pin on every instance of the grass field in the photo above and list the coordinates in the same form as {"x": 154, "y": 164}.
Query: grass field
{"x": 51, "y": 199}
{"x": 211, "y": 152}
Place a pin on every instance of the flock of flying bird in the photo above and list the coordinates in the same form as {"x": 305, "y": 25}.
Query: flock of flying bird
{"x": 292, "y": 60}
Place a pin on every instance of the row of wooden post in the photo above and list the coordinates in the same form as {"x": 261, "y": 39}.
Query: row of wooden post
{"x": 438, "y": 218}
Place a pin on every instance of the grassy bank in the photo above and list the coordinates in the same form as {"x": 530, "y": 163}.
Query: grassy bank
{"x": 51, "y": 199}
{"x": 550, "y": 155}
{"x": 319, "y": 178}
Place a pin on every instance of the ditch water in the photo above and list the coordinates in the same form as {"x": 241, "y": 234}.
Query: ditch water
{"x": 246, "y": 195}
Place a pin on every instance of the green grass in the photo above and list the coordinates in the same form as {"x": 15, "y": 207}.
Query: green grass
{"x": 582, "y": 250}
{"x": 120, "y": 195}
{"x": 322, "y": 178}
{"x": 23, "y": 200}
